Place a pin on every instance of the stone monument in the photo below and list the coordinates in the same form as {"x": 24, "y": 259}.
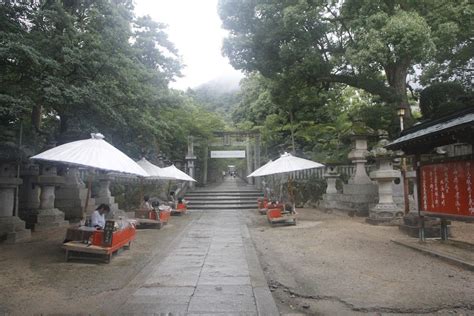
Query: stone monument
{"x": 29, "y": 194}
{"x": 331, "y": 177}
{"x": 386, "y": 211}
{"x": 71, "y": 196}
{"x": 360, "y": 193}
{"x": 49, "y": 216}
{"x": 105, "y": 196}
{"x": 190, "y": 159}
{"x": 12, "y": 228}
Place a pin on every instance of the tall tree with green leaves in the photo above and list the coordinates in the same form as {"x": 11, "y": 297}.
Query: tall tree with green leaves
{"x": 90, "y": 64}
{"x": 367, "y": 44}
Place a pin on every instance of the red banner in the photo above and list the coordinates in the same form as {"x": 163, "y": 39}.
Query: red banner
{"x": 446, "y": 188}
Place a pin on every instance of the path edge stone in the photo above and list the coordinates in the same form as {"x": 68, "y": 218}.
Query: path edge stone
{"x": 263, "y": 296}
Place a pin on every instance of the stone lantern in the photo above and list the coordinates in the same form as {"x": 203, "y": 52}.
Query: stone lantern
{"x": 12, "y": 228}
{"x": 49, "y": 216}
{"x": 385, "y": 210}
{"x": 359, "y": 194}
{"x": 105, "y": 196}
{"x": 358, "y": 135}
{"x": 331, "y": 177}
{"x": 190, "y": 159}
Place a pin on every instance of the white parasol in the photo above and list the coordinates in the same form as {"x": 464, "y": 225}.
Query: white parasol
{"x": 257, "y": 172}
{"x": 93, "y": 153}
{"x": 174, "y": 173}
{"x": 153, "y": 171}
{"x": 287, "y": 163}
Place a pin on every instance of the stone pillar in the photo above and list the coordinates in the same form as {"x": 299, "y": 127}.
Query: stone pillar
{"x": 49, "y": 216}
{"x": 12, "y": 228}
{"x": 205, "y": 160}
{"x": 358, "y": 157}
{"x": 29, "y": 194}
{"x": 331, "y": 177}
{"x": 386, "y": 210}
{"x": 248, "y": 154}
{"x": 71, "y": 197}
{"x": 190, "y": 159}
{"x": 411, "y": 176}
{"x": 105, "y": 196}
{"x": 258, "y": 180}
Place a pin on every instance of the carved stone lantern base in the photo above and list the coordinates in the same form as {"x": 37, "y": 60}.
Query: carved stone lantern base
{"x": 12, "y": 230}
{"x": 388, "y": 214}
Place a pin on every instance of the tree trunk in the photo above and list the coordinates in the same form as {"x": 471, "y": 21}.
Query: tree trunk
{"x": 63, "y": 123}
{"x": 292, "y": 133}
{"x": 36, "y": 114}
{"x": 396, "y": 77}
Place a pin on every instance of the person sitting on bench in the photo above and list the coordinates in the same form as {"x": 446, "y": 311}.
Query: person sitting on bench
{"x": 98, "y": 216}
{"x": 146, "y": 205}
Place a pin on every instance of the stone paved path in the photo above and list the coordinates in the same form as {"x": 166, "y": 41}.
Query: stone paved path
{"x": 213, "y": 270}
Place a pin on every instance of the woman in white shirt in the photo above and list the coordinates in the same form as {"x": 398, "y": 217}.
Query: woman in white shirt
{"x": 98, "y": 216}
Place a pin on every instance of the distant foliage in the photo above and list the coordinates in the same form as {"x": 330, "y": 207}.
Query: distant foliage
{"x": 70, "y": 68}
{"x": 441, "y": 99}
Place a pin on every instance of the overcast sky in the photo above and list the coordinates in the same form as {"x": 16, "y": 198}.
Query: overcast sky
{"x": 195, "y": 29}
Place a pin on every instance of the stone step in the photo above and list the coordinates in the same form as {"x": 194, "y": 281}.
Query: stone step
{"x": 227, "y": 195}
{"x": 226, "y": 191}
{"x": 222, "y": 202}
{"x": 18, "y": 236}
{"x": 222, "y": 207}
{"x": 222, "y": 198}
{"x": 49, "y": 225}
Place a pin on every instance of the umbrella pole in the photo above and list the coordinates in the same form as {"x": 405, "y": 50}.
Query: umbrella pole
{"x": 142, "y": 194}
{"x": 88, "y": 195}
{"x": 291, "y": 193}
{"x": 169, "y": 188}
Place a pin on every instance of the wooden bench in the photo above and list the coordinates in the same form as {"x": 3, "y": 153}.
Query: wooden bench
{"x": 96, "y": 249}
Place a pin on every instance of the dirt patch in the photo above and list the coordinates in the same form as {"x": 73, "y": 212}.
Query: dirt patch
{"x": 35, "y": 278}
{"x": 335, "y": 264}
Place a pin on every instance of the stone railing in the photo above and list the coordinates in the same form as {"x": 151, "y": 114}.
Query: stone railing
{"x": 344, "y": 170}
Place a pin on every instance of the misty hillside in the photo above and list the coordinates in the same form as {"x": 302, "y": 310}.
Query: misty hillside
{"x": 219, "y": 95}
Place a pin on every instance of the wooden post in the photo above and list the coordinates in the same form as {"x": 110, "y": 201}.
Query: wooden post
{"x": 88, "y": 195}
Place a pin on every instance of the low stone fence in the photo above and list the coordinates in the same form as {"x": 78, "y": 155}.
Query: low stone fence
{"x": 308, "y": 185}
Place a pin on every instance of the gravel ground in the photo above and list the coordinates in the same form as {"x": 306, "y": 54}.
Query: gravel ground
{"x": 333, "y": 264}
{"x": 329, "y": 264}
{"x": 35, "y": 279}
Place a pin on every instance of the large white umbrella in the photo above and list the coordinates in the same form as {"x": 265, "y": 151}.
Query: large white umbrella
{"x": 174, "y": 173}
{"x": 287, "y": 163}
{"x": 92, "y": 153}
{"x": 257, "y": 172}
{"x": 153, "y": 171}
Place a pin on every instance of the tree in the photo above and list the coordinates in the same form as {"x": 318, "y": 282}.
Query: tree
{"x": 352, "y": 42}
{"x": 441, "y": 99}
{"x": 81, "y": 64}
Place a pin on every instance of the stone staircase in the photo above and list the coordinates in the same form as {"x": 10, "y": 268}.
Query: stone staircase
{"x": 232, "y": 194}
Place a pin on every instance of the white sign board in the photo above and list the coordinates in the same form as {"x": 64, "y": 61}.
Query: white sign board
{"x": 227, "y": 153}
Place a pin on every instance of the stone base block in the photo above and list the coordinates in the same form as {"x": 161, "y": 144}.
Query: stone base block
{"x": 51, "y": 218}
{"x": 106, "y": 200}
{"x": 387, "y": 214}
{"x": 12, "y": 230}
{"x": 18, "y": 236}
{"x": 360, "y": 189}
{"x": 71, "y": 193}
{"x": 411, "y": 224}
{"x": 354, "y": 204}
{"x": 430, "y": 232}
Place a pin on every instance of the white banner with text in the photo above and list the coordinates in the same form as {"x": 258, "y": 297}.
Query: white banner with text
{"x": 227, "y": 153}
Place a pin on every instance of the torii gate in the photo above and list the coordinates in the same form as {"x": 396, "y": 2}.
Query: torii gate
{"x": 246, "y": 145}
